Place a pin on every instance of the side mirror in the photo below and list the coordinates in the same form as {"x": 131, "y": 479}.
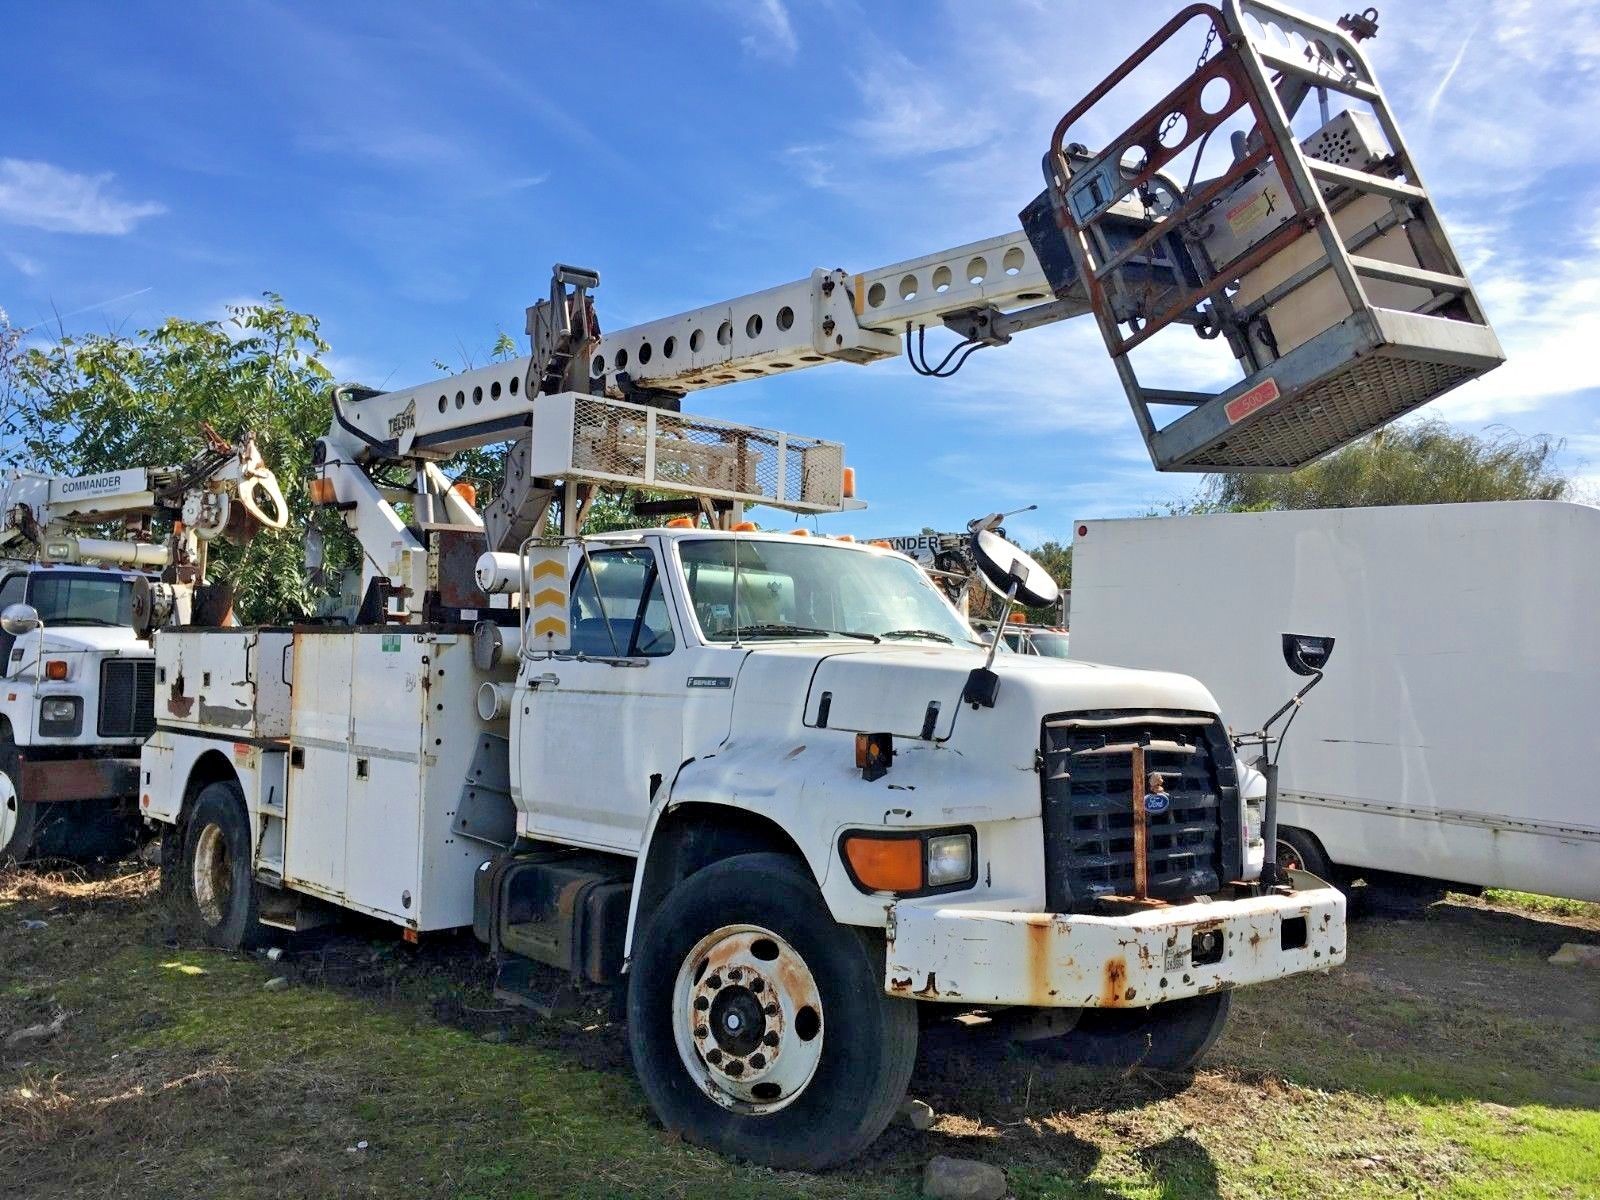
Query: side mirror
{"x": 1306, "y": 655}
{"x": 1004, "y": 566}
{"x": 18, "y": 619}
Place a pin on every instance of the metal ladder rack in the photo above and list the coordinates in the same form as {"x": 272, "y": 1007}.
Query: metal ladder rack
{"x": 1343, "y": 301}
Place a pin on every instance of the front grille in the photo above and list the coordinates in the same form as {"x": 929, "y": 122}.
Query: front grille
{"x": 1191, "y": 848}
{"x": 127, "y": 698}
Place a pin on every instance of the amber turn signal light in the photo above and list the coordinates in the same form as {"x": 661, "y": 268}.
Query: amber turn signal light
{"x": 321, "y": 491}
{"x": 874, "y": 751}
{"x": 56, "y": 668}
{"x": 891, "y": 864}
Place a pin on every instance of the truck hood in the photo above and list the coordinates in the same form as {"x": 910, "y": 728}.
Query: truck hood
{"x": 72, "y": 639}
{"x": 914, "y": 690}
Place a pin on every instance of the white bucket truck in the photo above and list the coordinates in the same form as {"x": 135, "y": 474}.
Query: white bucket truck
{"x": 76, "y": 609}
{"x": 775, "y": 784}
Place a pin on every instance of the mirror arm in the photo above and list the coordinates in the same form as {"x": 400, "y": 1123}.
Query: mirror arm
{"x": 1000, "y": 626}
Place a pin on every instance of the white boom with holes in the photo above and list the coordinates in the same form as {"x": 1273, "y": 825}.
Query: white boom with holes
{"x": 775, "y": 786}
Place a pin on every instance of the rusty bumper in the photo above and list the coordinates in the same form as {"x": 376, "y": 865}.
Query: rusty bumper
{"x": 49, "y": 781}
{"x": 1128, "y": 960}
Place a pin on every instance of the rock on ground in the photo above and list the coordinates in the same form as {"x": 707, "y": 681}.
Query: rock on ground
{"x": 1573, "y": 954}
{"x": 962, "y": 1179}
{"x": 917, "y": 1114}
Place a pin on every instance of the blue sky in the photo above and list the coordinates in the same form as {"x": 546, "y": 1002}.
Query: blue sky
{"x": 410, "y": 172}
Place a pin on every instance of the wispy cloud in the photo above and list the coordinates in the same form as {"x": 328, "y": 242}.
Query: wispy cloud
{"x": 26, "y": 267}
{"x": 769, "y": 32}
{"x": 41, "y": 195}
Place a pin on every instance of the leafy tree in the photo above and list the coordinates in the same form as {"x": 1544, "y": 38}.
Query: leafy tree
{"x": 111, "y": 401}
{"x": 1426, "y": 462}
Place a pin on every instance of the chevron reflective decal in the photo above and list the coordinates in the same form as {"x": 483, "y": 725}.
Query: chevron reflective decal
{"x": 548, "y": 601}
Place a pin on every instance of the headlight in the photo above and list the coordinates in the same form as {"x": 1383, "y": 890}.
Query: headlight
{"x": 909, "y": 862}
{"x": 60, "y": 716}
{"x": 949, "y": 859}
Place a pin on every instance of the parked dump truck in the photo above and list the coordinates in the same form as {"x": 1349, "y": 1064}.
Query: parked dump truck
{"x": 1464, "y": 630}
{"x": 774, "y": 784}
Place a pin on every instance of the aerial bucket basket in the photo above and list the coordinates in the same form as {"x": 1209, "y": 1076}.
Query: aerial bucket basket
{"x": 1319, "y": 258}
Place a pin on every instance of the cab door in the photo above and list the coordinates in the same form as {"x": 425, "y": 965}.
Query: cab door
{"x": 599, "y": 729}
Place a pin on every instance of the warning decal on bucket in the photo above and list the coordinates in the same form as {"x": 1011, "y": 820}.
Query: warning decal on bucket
{"x": 1258, "y": 397}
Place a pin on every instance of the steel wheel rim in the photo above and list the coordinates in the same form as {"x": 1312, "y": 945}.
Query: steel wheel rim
{"x": 747, "y": 1019}
{"x": 212, "y": 874}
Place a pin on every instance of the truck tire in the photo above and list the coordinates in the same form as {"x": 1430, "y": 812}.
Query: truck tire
{"x": 1173, "y": 1036}
{"x": 217, "y": 890}
{"x": 759, "y": 1026}
{"x": 18, "y": 818}
{"x": 1300, "y": 849}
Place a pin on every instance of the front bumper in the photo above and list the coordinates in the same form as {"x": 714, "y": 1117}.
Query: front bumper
{"x": 49, "y": 780}
{"x": 1143, "y": 956}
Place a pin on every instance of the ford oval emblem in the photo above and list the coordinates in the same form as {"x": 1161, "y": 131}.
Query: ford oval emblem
{"x": 1156, "y": 802}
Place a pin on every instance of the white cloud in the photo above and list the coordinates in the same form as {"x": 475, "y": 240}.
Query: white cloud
{"x": 26, "y": 267}
{"x": 43, "y": 196}
{"x": 769, "y": 32}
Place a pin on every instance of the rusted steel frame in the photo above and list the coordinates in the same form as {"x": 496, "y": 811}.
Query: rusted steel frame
{"x": 1141, "y": 830}
{"x": 1182, "y": 18}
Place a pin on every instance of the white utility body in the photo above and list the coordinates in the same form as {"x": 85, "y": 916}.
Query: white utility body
{"x": 76, "y": 610}
{"x": 1452, "y": 741}
{"x": 775, "y": 784}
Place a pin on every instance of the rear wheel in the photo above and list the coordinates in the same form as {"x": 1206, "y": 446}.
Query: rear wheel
{"x": 1173, "y": 1036}
{"x": 759, "y": 1026}
{"x": 1300, "y": 850}
{"x": 215, "y": 878}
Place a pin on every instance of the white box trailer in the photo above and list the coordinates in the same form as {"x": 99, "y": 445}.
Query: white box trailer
{"x": 1453, "y": 735}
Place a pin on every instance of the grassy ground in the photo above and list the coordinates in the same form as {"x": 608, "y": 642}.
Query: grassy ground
{"x": 1449, "y": 1059}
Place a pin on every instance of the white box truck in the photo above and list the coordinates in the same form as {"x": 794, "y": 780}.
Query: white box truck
{"x": 1452, "y": 743}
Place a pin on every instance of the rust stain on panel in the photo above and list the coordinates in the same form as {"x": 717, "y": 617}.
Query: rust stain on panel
{"x": 1116, "y": 976}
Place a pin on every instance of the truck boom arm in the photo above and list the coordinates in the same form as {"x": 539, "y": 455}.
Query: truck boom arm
{"x": 1318, "y": 261}
{"x": 218, "y": 492}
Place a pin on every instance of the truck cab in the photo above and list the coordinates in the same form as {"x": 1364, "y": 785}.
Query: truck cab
{"x": 75, "y": 705}
{"x": 751, "y": 784}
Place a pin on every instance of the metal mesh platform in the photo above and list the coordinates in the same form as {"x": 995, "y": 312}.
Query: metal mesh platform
{"x": 600, "y": 440}
{"x": 1365, "y": 396}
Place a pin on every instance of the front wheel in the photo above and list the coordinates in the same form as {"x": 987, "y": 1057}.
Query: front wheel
{"x": 1172, "y": 1036}
{"x": 759, "y": 1026}
{"x": 18, "y": 818}
{"x": 215, "y": 877}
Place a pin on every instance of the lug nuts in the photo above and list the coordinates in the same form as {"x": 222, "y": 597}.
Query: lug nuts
{"x": 735, "y": 974}
{"x": 771, "y": 1010}
{"x": 713, "y": 1056}
{"x": 756, "y": 985}
{"x": 757, "y": 1061}
{"x": 734, "y": 1067}
{"x": 701, "y": 1004}
{"x": 771, "y": 1039}
{"x": 700, "y": 1031}
{"x": 714, "y": 982}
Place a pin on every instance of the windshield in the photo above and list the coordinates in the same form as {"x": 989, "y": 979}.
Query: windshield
{"x": 804, "y": 589}
{"x": 1051, "y": 645}
{"x": 68, "y": 599}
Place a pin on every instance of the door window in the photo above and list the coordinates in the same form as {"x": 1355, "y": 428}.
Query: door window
{"x": 619, "y": 610}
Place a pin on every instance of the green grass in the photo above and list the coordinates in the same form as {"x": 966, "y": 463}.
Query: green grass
{"x": 1556, "y": 906}
{"x": 1423, "y": 1069}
